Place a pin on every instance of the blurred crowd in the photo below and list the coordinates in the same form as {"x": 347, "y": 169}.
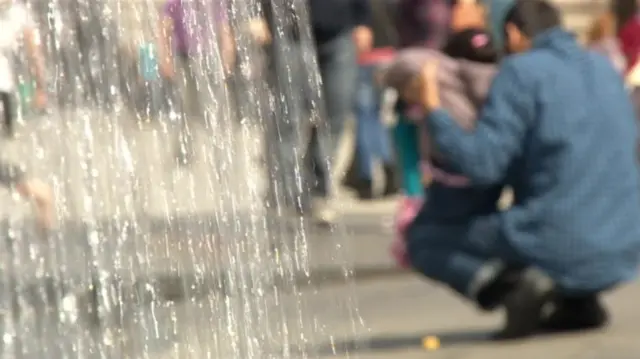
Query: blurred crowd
{"x": 352, "y": 43}
{"x": 485, "y": 96}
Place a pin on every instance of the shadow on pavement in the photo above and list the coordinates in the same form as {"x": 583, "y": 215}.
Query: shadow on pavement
{"x": 390, "y": 343}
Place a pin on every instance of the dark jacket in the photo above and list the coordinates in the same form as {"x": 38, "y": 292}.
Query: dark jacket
{"x": 288, "y": 18}
{"x": 423, "y": 23}
{"x": 330, "y": 18}
{"x": 383, "y": 22}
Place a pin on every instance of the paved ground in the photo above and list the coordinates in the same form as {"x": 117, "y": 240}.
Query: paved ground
{"x": 389, "y": 316}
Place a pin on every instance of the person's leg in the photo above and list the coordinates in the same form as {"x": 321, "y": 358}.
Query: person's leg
{"x": 338, "y": 69}
{"x": 366, "y": 115}
{"x": 288, "y": 182}
{"x": 372, "y": 139}
{"x": 351, "y": 179}
{"x": 382, "y": 145}
{"x": 191, "y": 109}
{"x": 476, "y": 261}
{"x": 406, "y": 144}
{"x": 285, "y": 188}
{"x": 8, "y": 113}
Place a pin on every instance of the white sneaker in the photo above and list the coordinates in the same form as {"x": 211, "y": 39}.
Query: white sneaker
{"x": 323, "y": 212}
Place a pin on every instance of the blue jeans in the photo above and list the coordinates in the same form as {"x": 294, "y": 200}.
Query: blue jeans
{"x": 297, "y": 169}
{"x": 372, "y": 139}
{"x": 459, "y": 254}
{"x": 339, "y": 70}
{"x": 287, "y": 121}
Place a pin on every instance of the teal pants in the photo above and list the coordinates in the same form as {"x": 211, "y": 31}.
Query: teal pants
{"x": 405, "y": 138}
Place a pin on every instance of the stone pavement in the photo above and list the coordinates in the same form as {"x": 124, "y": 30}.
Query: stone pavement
{"x": 389, "y": 317}
{"x": 399, "y": 312}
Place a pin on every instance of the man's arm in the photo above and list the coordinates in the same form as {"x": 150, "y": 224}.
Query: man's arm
{"x": 485, "y": 153}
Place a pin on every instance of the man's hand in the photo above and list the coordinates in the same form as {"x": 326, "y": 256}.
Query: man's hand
{"x": 363, "y": 39}
{"x": 259, "y": 31}
{"x": 429, "y": 88}
{"x": 42, "y": 197}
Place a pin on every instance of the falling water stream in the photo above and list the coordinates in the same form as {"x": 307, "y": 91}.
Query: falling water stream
{"x": 162, "y": 246}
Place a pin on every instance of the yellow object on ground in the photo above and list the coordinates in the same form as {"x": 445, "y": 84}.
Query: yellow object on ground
{"x": 431, "y": 343}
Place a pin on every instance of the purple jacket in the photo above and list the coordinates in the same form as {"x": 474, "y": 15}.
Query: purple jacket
{"x": 190, "y": 25}
{"x": 423, "y": 23}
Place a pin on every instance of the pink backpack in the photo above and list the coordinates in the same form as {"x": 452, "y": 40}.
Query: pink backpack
{"x": 407, "y": 212}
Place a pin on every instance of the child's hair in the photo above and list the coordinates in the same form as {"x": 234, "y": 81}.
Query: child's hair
{"x": 472, "y": 44}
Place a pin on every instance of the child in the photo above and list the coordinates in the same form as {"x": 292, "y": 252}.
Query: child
{"x": 467, "y": 67}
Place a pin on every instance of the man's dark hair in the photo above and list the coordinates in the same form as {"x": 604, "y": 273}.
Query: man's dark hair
{"x": 533, "y": 17}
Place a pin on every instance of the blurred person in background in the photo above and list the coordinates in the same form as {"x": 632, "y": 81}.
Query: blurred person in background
{"x": 197, "y": 33}
{"x": 185, "y": 32}
{"x": 616, "y": 34}
{"x": 78, "y": 35}
{"x": 341, "y": 30}
{"x": 627, "y": 18}
{"x": 17, "y": 24}
{"x": 372, "y": 141}
{"x": 423, "y": 23}
{"x": 602, "y": 38}
{"x": 418, "y": 23}
{"x": 558, "y": 128}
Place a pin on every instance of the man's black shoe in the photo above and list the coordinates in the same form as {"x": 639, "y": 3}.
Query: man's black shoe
{"x": 524, "y": 305}
{"x": 492, "y": 294}
{"x": 570, "y": 314}
{"x": 364, "y": 189}
{"x": 392, "y": 181}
